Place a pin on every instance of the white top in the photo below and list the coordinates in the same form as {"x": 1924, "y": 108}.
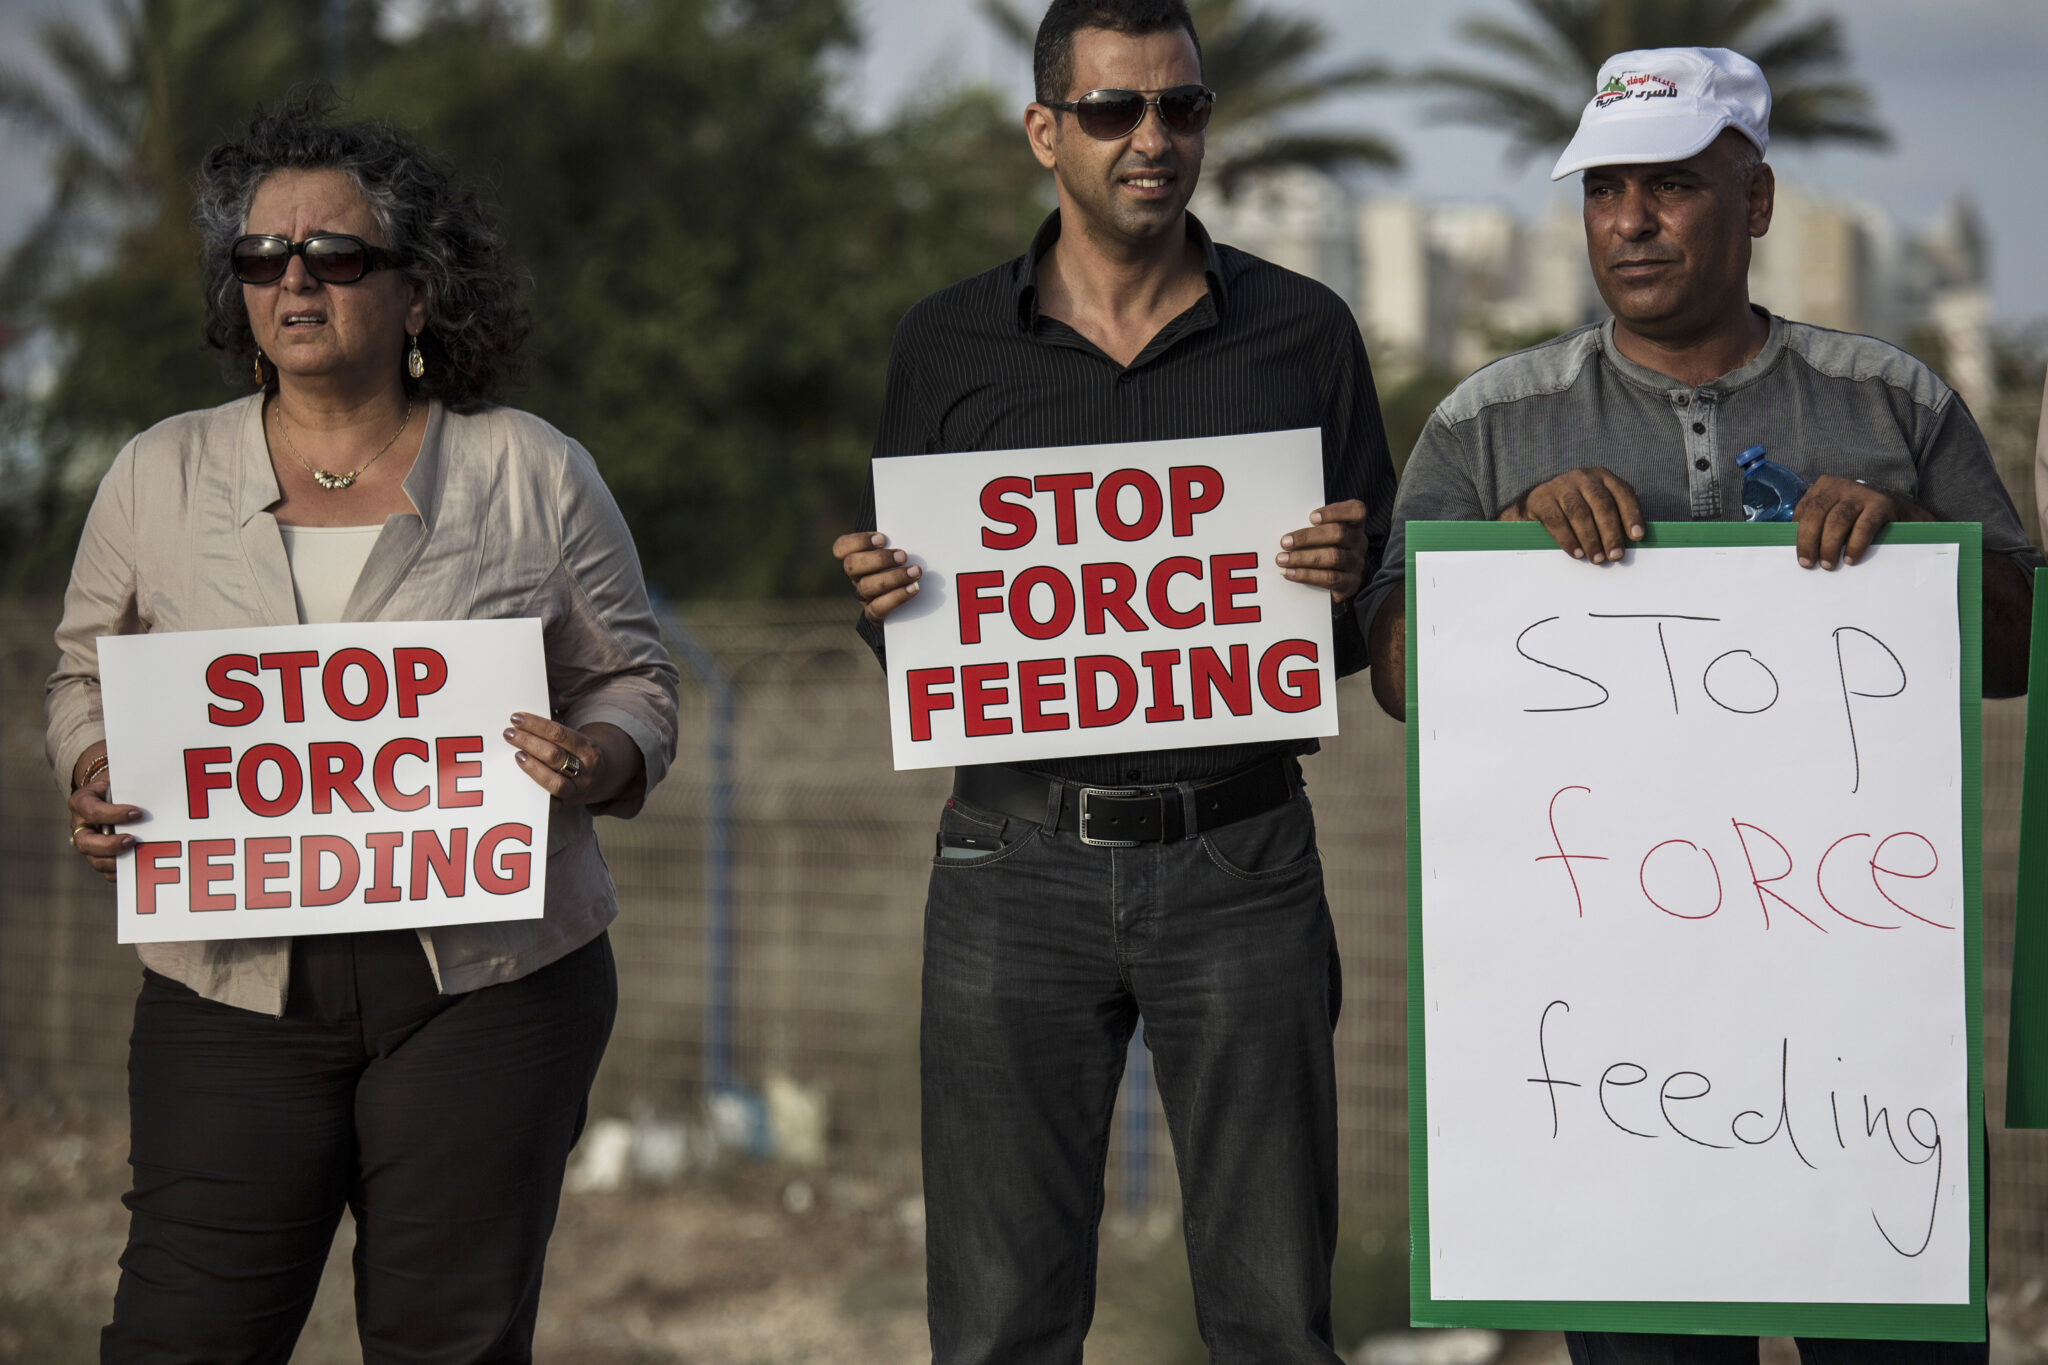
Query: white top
{"x": 326, "y": 561}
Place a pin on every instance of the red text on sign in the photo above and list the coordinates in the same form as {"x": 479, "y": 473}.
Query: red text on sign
{"x": 270, "y": 781}
{"x": 1104, "y": 593}
{"x": 1106, "y": 690}
{"x": 354, "y": 684}
{"x": 231, "y": 874}
{"x": 1009, "y": 502}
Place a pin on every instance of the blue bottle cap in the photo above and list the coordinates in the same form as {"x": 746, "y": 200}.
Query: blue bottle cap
{"x": 1749, "y": 457}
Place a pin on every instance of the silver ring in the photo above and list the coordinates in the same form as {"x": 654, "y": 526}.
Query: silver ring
{"x": 572, "y": 766}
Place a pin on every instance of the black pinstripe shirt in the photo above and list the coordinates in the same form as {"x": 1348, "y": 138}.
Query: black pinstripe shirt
{"x": 977, "y": 367}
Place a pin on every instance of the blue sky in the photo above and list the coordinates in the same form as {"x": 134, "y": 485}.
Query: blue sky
{"x": 1963, "y": 85}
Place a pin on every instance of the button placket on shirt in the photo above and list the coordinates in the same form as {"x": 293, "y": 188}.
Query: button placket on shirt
{"x": 1130, "y": 398}
{"x": 1696, "y": 410}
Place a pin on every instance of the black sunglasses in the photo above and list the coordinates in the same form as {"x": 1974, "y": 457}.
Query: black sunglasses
{"x": 331, "y": 258}
{"x": 1107, "y": 115}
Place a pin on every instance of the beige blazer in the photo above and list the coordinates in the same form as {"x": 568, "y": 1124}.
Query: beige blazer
{"x": 513, "y": 520}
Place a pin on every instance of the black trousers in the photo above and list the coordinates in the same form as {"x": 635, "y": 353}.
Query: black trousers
{"x": 1039, "y": 958}
{"x": 443, "y": 1123}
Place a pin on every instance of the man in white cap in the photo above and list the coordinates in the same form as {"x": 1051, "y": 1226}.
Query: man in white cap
{"x": 1664, "y": 394}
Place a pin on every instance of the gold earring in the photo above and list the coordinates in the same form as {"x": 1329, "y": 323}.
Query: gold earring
{"x": 415, "y": 363}
{"x": 258, "y": 368}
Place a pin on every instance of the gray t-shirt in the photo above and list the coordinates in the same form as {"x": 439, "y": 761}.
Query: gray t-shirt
{"x": 1823, "y": 403}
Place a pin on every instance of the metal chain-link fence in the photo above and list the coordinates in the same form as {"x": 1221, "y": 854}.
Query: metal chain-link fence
{"x": 772, "y": 895}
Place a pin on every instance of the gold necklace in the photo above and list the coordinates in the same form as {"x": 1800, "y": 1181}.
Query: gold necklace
{"x": 327, "y": 479}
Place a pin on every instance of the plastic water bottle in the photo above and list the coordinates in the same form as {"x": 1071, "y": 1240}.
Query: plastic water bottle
{"x": 1769, "y": 490}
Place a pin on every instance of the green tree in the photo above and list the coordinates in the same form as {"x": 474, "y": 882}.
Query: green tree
{"x": 106, "y": 272}
{"x": 716, "y": 256}
{"x": 1258, "y": 63}
{"x": 1532, "y": 79}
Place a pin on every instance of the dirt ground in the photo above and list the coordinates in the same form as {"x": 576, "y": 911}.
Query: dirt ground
{"x": 745, "y": 1266}
{"x": 749, "y": 1265}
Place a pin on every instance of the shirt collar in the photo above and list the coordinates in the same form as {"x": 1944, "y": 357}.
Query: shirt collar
{"x": 1643, "y": 377}
{"x": 1024, "y": 270}
{"x": 256, "y": 482}
{"x": 257, "y": 489}
{"x": 423, "y": 482}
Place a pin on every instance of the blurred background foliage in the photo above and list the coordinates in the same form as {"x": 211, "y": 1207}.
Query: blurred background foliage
{"x": 715, "y": 250}
{"x": 716, "y": 254}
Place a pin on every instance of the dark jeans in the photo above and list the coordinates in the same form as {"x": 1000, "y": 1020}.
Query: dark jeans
{"x": 442, "y": 1122}
{"x": 1039, "y": 959}
{"x": 1642, "y": 1348}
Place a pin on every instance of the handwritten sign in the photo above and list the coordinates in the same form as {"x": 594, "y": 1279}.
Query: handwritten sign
{"x": 1695, "y": 920}
{"x": 323, "y": 779}
{"x": 1104, "y": 599}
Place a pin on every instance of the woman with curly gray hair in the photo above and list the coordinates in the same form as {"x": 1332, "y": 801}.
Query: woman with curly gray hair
{"x": 431, "y": 1081}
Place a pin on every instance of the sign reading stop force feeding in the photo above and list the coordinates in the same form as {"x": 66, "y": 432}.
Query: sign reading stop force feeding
{"x": 325, "y": 779}
{"x": 1104, "y": 599}
{"x": 1694, "y": 888}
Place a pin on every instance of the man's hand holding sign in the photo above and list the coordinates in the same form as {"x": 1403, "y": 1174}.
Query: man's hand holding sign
{"x": 1593, "y": 514}
{"x": 1328, "y": 552}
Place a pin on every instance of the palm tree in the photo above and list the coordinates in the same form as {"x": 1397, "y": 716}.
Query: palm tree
{"x": 1555, "y": 55}
{"x": 92, "y": 164}
{"x": 1254, "y": 59}
{"x": 124, "y": 104}
{"x": 133, "y": 116}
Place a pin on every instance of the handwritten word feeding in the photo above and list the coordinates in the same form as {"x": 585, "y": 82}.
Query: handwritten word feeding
{"x": 1625, "y": 1112}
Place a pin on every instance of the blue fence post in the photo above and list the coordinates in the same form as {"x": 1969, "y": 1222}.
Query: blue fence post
{"x": 704, "y": 666}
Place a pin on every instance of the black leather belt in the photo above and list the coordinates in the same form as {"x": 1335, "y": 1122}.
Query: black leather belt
{"x": 1124, "y": 817}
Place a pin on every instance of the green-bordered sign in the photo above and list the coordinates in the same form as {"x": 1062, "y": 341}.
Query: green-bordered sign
{"x": 1694, "y": 934}
{"x": 2026, "y": 1071}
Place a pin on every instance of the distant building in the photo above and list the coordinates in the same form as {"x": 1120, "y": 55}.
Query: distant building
{"x": 1453, "y": 284}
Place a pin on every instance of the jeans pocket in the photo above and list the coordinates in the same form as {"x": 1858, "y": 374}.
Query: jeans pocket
{"x": 970, "y": 836}
{"x": 1270, "y": 846}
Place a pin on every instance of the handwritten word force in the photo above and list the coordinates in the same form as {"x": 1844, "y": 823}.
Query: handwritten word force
{"x": 1683, "y": 879}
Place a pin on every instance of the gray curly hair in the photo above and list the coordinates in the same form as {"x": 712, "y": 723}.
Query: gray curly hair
{"x": 476, "y": 326}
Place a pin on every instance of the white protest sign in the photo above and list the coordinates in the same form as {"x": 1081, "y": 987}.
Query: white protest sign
{"x": 1692, "y": 889}
{"x": 1104, "y": 599}
{"x": 325, "y": 779}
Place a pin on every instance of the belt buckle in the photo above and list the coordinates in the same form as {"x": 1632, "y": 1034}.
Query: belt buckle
{"x": 1087, "y": 792}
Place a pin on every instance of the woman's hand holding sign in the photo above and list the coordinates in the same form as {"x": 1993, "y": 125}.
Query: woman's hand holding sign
{"x": 1330, "y": 551}
{"x": 577, "y": 767}
{"x": 93, "y": 815}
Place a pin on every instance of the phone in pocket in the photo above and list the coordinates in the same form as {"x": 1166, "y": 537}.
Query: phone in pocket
{"x": 952, "y": 845}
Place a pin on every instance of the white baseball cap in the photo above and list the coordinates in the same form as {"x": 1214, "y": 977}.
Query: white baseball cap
{"x": 1663, "y": 104}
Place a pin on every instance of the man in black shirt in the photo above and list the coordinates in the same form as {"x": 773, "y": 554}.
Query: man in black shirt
{"x": 1125, "y": 322}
